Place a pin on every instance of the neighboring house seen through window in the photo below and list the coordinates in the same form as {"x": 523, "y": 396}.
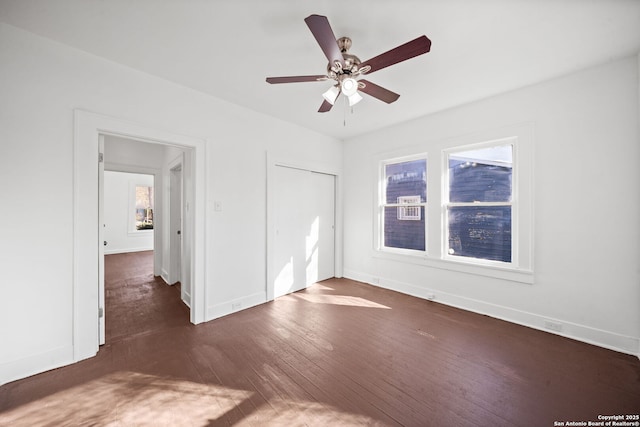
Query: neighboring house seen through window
{"x": 479, "y": 207}
{"x": 404, "y": 202}
{"x": 479, "y": 216}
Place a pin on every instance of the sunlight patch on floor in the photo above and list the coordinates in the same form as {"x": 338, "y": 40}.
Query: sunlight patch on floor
{"x": 129, "y": 398}
{"x": 134, "y": 399}
{"x": 340, "y": 300}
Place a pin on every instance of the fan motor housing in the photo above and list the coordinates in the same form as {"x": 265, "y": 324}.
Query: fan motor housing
{"x": 344, "y": 43}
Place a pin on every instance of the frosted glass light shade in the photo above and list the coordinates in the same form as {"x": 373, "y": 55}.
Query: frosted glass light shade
{"x": 331, "y": 94}
{"x": 349, "y": 86}
{"x": 354, "y": 99}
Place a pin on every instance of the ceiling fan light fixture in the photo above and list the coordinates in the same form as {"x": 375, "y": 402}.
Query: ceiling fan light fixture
{"x": 354, "y": 99}
{"x": 349, "y": 86}
{"x": 331, "y": 94}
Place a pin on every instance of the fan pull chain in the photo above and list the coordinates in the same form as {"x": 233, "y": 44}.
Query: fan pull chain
{"x": 344, "y": 111}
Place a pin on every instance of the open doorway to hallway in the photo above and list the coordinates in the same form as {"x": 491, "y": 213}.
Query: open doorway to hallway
{"x": 141, "y": 208}
{"x": 89, "y": 129}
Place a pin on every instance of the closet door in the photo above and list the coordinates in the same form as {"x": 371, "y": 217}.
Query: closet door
{"x": 305, "y": 223}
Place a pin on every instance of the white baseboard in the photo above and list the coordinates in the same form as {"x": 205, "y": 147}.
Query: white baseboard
{"x": 587, "y": 334}
{"x": 228, "y": 307}
{"x": 164, "y": 274}
{"x": 187, "y": 299}
{"x": 126, "y": 250}
{"x": 35, "y": 364}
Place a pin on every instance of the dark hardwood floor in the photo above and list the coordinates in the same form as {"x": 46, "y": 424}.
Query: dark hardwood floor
{"x": 339, "y": 353}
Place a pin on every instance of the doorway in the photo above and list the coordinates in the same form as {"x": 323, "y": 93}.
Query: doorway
{"x": 136, "y": 218}
{"x": 86, "y": 230}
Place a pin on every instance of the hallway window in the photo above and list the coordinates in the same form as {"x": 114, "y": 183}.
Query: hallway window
{"x": 144, "y": 207}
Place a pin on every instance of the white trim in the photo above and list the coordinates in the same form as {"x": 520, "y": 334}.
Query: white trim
{"x": 446, "y": 204}
{"x": 380, "y": 204}
{"x": 35, "y": 364}
{"x": 127, "y": 250}
{"x": 132, "y": 229}
{"x": 613, "y": 341}
{"x": 87, "y": 128}
{"x": 227, "y": 307}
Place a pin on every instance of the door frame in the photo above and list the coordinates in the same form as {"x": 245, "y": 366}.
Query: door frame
{"x": 274, "y": 161}
{"x": 88, "y": 127}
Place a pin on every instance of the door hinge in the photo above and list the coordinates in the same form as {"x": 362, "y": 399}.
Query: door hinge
{"x": 100, "y": 157}
{"x": 100, "y": 312}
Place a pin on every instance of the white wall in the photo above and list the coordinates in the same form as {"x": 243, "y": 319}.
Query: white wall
{"x": 42, "y": 82}
{"x": 121, "y": 237}
{"x": 586, "y": 206}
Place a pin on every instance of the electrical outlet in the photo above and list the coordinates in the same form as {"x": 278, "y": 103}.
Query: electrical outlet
{"x": 235, "y": 306}
{"x": 553, "y": 326}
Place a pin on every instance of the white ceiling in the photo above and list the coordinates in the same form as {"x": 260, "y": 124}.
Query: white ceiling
{"x": 226, "y": 48}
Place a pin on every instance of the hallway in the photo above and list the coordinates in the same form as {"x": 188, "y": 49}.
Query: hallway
{"x": 136, "y": 301}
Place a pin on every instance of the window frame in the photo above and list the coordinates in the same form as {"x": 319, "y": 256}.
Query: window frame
{"x": 520, "y": 270}
{"x": 382, "y": 205}
{"x": 513, "y": 203}
{"x": 131, "y": 212}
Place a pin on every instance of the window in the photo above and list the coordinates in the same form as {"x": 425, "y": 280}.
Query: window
{"x": 479, "y": 205}
{"x": 479, "y": 219}
{"x": 403, "y": 202}
{"x": 144, "y": 207}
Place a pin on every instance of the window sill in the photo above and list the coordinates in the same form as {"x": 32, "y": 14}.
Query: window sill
{"x": 497, "y": 272}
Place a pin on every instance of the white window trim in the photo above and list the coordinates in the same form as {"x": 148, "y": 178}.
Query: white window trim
{"x": 446, "y": 204}
{"x": 131, "y": 218}
{"x": 522, "y": 218}
{"x": 381, "y": 205}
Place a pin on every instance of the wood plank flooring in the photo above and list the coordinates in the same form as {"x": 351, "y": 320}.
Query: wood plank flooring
{"x": 340, "y": 353}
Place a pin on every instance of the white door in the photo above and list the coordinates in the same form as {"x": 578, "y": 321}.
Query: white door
{"x": 175, "y": 228}
{"x": 304, "y": 251}
{"x": 101, "y": 242}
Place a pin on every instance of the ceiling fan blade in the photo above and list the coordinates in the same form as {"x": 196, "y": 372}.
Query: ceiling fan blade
{"x": 326, "y": 106}
{"x": 401, "y": 53}
{"x": 296, "y": 79}
{"x": 378, "y": 92}
{"x": 321, "y": 30}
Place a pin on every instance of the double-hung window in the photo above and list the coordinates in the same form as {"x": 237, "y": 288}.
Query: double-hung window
{"x": 479, "y": 203}
{"x": 479, "y": 216}
{"x": 402, "y": 206}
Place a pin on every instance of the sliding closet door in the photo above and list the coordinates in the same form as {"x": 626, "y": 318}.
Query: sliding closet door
{"x": 305, "y": 222}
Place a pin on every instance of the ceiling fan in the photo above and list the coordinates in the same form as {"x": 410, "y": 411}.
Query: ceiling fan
{"x": 344, "y": 67}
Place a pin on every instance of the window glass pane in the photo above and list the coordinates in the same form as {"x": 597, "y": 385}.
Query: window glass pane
{"x": 406, "y": 179}
{"x": 403, "y": 233}
{"x": 144, "y": 208}
{"x": 482, "y": 232}
{"x": 482, "y": 175}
